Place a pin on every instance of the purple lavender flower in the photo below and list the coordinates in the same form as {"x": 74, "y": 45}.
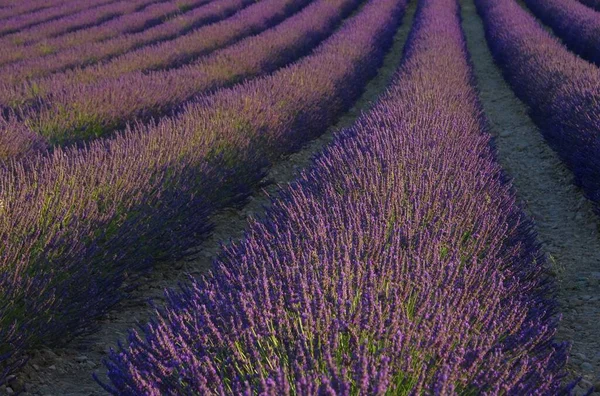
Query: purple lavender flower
{"x": 77, "y": 221}
{"x": 561, "y": 89}
{"x": 399, "y": 263}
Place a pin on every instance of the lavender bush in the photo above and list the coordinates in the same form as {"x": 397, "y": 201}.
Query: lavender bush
{"x": 17, "y": 9}
{"x": 561, "y": 90}
{"x": 17, "y": 140}
{"x": 76, "y": 223}
{"x": 95, "y": 110}
{"x": 574, "y": 23}
{"x": 398, "y": 264}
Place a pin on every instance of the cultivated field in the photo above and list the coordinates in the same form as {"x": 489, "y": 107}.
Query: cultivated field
{"x": 299, "y": 197}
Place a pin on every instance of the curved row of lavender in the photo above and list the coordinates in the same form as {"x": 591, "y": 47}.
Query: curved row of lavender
{"x": 82, "y": 20}
{"x": 82, "y": 56}
{"x": 224, "y": 22}
{"x": 18, "y": 8}
{"x": 595, "y": 4}
{"x": 151, "y": 15}
{"x": 59, "y": 10}
{"x": 561, "y": 89}
{"x": 76, "y": 224}
{"x": 15, "y": 9}
{"x": 399, "y": 264}
{"x": 94, "y": 111}
{"x": 575, "y": 24}
{"x": 75, "y": 124}
{"x": 98, "y": 110}
{"x": 72, "y": 21}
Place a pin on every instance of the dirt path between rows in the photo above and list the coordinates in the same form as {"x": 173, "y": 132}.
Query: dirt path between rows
{"x": 68, "y": 370}
{"x": 565, "y": 221}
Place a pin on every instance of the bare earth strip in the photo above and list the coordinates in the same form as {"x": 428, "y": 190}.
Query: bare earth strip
{"x": 67, "y": 370}
{"x": 565, "y": 221}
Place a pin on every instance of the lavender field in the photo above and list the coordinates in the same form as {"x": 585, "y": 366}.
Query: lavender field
{"x": 300, "y": 197}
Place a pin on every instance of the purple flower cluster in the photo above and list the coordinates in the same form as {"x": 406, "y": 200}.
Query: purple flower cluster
{"x": 77, "y": 222}
{"x": 14, "y": 91}
{"x": 398, "y": 264}
{"x": 95, "y": 110}
{"x": 576, "y": 24}
{"x": 561, "y": 89}
{"x": 17, "y": 140}
{"x": 152, "y": 14}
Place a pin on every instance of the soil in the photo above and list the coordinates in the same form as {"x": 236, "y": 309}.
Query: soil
{"x": 564, "y": 219}
{"x": 67, "y": 370}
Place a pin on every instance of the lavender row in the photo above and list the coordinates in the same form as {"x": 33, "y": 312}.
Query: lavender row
{"x": 34, "y": 12}
{"x": 123, "y": 99}
{"x": 11, "y": 10}
{"x": 48, "y": 15}
{"x": 151, "y": 15}
{"x": 398, "y": 264}
{"x": 76, "y": 223}
{"x": 92, "y": 53}
{"x": 81, "y": 20}
{"x": 260, "y": 16}
{"x": 595, "y": 4}
{"x": 20, "y": 137}
{"x": 102, "y": 108}
{"x": 248, "y": 17}
{"x": 576, "y": 24}
{"x": 561, "y": 89}
{"x": 17, "y": 9}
